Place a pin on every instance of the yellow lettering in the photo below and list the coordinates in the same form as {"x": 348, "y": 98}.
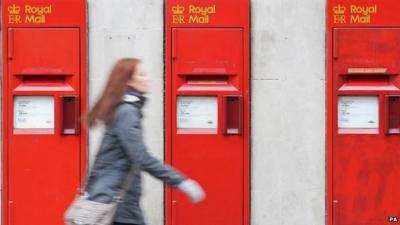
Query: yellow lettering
{"x": 360, "y": 19}
{"x": 341, "y": 19}
{"x": 38, "y": 10}
{"x": 14, "y": 19}
{"x": 35, "y": 19}
{"x": 199, "y": 19}
{"x": 365, "y": 10}
{"x": 36, "y": 14}
{"x": 203, "y": 10}
{"x": 178, "y": 19}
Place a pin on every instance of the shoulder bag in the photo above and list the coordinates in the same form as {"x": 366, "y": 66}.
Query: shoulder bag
{"x": 86, "y": 212}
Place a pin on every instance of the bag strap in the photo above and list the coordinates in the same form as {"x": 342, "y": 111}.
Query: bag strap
{"x": 126, "y": 184}
{"x": 124, "y": 188}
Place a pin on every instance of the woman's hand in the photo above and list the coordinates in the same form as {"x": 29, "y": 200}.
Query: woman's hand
{"x": 193, "y": 190}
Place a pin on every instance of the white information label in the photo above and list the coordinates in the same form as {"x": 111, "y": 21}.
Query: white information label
{"x": 33, "y": 112}
{"x": 197, "y": 112}
{"x": 358, "y": 112}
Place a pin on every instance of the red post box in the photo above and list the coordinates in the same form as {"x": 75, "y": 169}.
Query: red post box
{"x": 207, "y": 108}
{"x": 363, "y": 129}
{"x": 44, "y": 93}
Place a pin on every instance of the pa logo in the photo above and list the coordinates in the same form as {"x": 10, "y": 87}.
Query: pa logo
{"x": 393, "y": 219}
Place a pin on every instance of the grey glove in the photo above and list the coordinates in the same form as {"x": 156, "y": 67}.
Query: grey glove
{"x": 193, "y": 190}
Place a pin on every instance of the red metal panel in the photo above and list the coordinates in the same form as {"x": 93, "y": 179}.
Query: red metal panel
{"x": 215, "y": 154}
{"x": 45, "y": 55}
{"x": 207, "y": 54}
{"x": 371, "y": 50}
{"x": 46, "y": 60}
{"x": 362, "y": 59}
{"x": 47, "y": 164}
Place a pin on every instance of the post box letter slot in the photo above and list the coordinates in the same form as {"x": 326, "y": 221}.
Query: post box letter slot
{"x": 69, "y": 115}
{"x": 392, "y": 115}
{"x": 233, "y": 114}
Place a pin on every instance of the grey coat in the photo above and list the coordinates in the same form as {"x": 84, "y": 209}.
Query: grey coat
{"x": 122, "y": 146}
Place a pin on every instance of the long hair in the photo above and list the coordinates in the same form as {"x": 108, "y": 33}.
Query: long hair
{"x": 113, "y": 92}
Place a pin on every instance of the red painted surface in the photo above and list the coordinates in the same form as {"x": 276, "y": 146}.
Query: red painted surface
{"x": 362, "y": 59}
{"x": 207, "y": 54}
{"x": 44, "y": 54}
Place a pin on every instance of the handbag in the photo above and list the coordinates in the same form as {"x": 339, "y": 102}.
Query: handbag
{"x": 86, "y": 212}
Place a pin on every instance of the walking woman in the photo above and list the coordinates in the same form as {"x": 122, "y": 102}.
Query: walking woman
{"x": 122, "y": 147}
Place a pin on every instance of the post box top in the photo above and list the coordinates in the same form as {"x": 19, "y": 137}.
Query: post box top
{"x": 207, "y": 13}
{"x": 353, "y": 13}
{"x": 44, "y": 13}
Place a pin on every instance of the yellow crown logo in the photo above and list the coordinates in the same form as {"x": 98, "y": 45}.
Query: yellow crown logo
{"x": 13, "y": 9}
{"x": 178, "y": 9}
{"x": 339, "y": 9}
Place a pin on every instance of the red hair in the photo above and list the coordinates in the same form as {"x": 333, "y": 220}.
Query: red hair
{"x": 112, "y": 95}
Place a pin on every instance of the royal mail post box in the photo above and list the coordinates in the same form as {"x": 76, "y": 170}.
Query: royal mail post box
{"x": 207, "y": 108}
{"x": 363, "y": 113}
{"x": 44, "y": 95}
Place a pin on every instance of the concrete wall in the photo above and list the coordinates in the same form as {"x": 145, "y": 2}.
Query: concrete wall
{"x": 126, "y": 28}
{"x": 288, "y": 112}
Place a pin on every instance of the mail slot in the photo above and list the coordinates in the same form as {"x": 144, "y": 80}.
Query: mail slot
{"x": 207, "y": 108}
{"x": 44, "y": 95}
{"x": 392, "y": 112}
{"x": 70, "y": 112}
{"x": 233, "y": 114}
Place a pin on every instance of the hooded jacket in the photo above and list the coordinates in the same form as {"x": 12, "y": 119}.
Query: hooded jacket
{"x": 122, "y": 147}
